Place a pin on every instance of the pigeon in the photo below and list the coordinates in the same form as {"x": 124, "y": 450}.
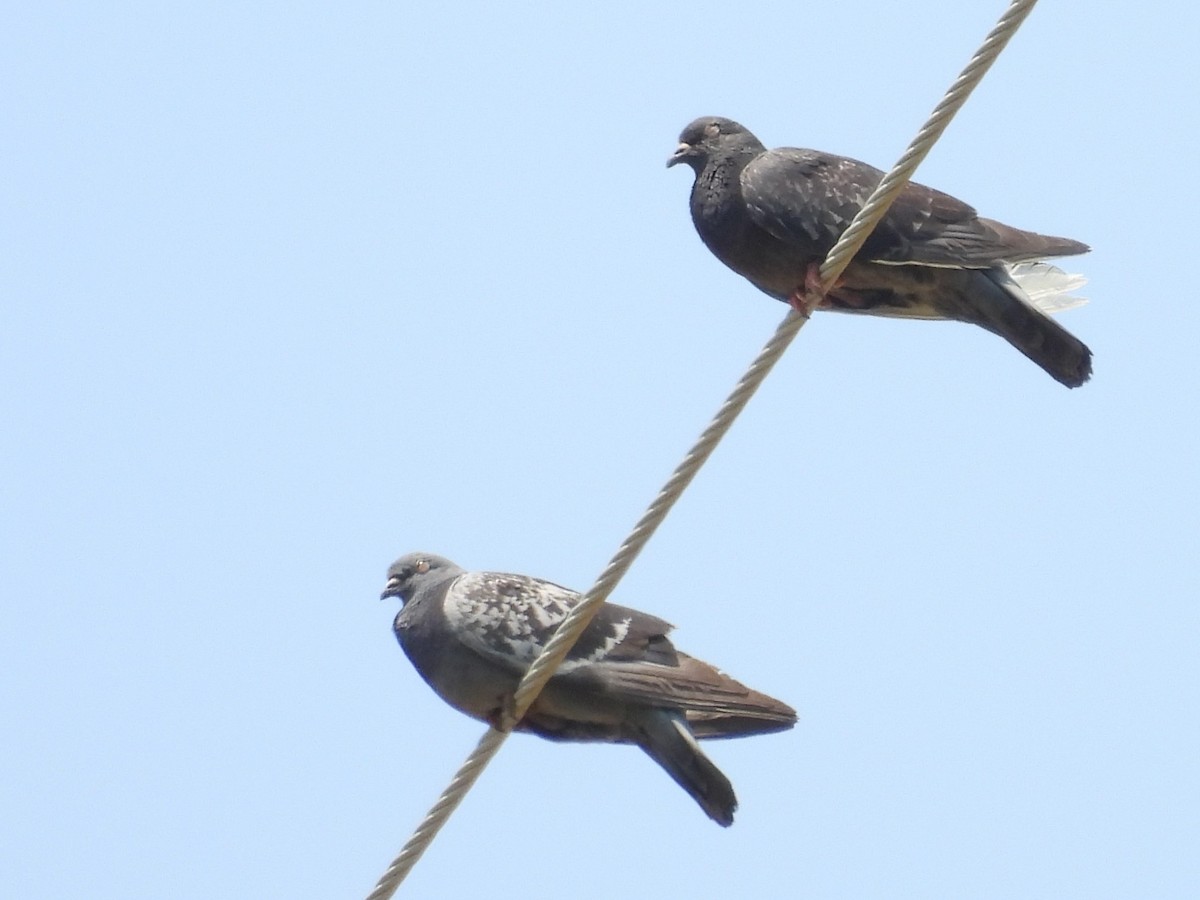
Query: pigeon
{"x": 472, "y": 635}
{"x": 773, "y": 215}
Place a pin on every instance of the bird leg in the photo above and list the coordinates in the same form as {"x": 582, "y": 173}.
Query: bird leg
{"x": 811, "y": 296}
{"x": 504, "y": 717}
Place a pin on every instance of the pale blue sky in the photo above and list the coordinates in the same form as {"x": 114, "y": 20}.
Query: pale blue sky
{"x": 291, "y": 289}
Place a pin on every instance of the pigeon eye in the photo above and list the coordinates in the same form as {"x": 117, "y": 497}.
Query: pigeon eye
{"x": 712, "y": 129}
{"x": 422, "y": 566}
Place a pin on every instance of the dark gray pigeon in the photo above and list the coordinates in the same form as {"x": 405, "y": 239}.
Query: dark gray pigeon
{"x": 472, "y": 635}
{"x": 773, "y": 215}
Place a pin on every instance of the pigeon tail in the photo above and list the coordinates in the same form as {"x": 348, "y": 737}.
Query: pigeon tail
{"x": 1019, "y": 318}
{"x": 665, "y": 737}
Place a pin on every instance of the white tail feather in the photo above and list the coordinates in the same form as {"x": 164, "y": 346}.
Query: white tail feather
{"x": 1048, "y": 287}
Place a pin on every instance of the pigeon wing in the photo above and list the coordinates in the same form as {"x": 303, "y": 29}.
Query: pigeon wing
{"x": 808, "y": 198}
{"x": 704, "y": 692}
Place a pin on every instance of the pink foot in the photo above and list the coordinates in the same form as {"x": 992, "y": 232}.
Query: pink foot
{"x": 807, "y": 299}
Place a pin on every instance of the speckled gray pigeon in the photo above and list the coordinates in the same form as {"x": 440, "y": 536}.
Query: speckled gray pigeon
{"x": 773, "y": 215}
{"x": 471, "y": 635}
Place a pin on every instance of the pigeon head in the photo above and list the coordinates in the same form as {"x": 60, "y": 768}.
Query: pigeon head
{"x": 713, "y": 137}
{"x": 411, "y": 571}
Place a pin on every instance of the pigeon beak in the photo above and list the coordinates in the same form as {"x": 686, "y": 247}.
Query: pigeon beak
{"x": 392, "y": 589}
{"x": 682, "y": 152}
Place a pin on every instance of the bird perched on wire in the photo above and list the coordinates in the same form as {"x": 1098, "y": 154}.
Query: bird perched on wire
{"x": 472, "y": 635}
{"x": 773, "y": 215}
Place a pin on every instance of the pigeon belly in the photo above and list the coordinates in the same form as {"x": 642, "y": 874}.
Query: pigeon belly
{"x": 571, "y": 707}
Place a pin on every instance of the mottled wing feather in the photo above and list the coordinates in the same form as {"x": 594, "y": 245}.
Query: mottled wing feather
{"x": 510, "y": 618}
{"x": 927, "y": 227}
{"x": 804, "y": 197}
